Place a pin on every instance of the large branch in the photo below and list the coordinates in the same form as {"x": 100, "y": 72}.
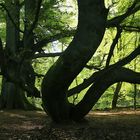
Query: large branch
{"x": 127, "y": 75}
{"x": 100, "y": 86}
{"x": 82, "y": 86}
{"x": 96, "y": 75}
{"x": 127, "y": 59}
{"x": 119, "y": 19}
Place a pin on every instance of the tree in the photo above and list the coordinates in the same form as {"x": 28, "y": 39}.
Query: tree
{"x": 13, "y": 93}
{"x": 116, "y": 95}
{"x": 87, "y": 39}
{"x": 10, "y": 92}
{"x": 93, "y": 20}
{"x": 23, "y": 41}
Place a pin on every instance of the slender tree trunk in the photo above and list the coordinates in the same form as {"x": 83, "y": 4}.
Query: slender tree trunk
{"x": 135, "y": 88}
{"x": 135, "y": 96}
{"x": 116, "y": 95}
{"x": 135, "y": 68}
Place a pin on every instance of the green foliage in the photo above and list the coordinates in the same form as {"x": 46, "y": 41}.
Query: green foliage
{"x": 54, "y": 18}
{"x": 59, "y": 15}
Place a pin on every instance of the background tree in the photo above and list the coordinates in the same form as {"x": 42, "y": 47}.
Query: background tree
{"x": 24, "y": 38}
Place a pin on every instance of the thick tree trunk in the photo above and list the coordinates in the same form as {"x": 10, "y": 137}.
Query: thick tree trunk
{"x": 90, "y": 31}
{"x": 12, "y": 96}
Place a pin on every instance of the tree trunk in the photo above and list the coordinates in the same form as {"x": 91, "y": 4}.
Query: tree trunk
{"x": 116, "y": 95}
{"x": 135, "y": 96}
{"x": 90, "y": 31}
{"x": 12, "y": 96}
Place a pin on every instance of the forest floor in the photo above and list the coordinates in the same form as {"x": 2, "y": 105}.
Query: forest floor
{"x": 100, "y": 125}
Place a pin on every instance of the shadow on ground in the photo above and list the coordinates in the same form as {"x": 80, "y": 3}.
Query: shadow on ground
{"x": 100, "y": 125}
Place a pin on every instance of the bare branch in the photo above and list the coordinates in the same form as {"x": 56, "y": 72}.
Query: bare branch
{"x": 119, "y": 19}
{"x": 39, "y": 55}
{"x": 130, "y": 28}
{"x": 82, "y": 86}
{"x": 100, "y": 86}
{"x": 127, "y": 59}
{"x": 97, "y": 75}
{"x": 115, "y": 41}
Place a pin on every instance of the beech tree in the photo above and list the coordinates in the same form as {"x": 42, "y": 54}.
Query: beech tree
{"x": 23, "y": 39}
{"x": 16, "y": 64}
{"x": 94, "y": 18}
{"x": 92, "y": 23}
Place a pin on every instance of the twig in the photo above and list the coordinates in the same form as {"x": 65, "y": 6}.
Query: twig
{"x": 115, "y": 41}
{"x": 39, "y": 55}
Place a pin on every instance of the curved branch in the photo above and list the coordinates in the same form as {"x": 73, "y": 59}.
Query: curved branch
{"x": 88, "y": 37}
{"x": 127, "y": 59}
{"x": 99, "y": 74}
{"x": 115, "y": 41}
{"x": 100, "y": 86}
{"x": 82, "y": 86}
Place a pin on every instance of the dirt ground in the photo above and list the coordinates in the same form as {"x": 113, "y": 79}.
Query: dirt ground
{"x": 100, "y": 125}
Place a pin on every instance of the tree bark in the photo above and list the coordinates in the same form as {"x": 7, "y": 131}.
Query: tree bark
{"x": 12, "y": 96}
{"x": 90, "y": 30}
